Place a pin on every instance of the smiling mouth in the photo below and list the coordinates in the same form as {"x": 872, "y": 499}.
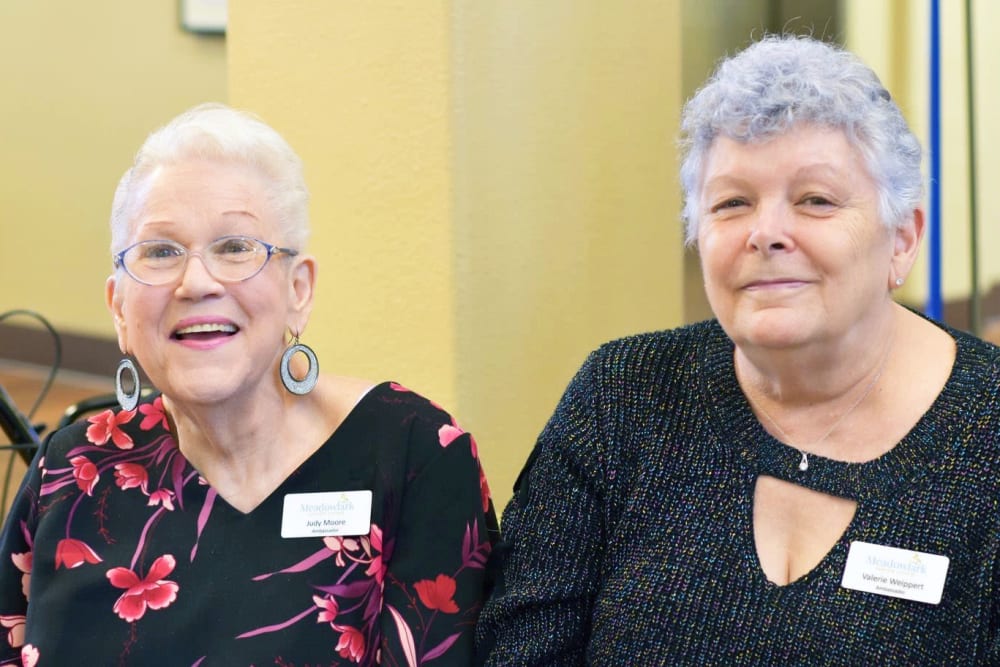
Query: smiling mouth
{"x": 204, "y": 331}
{"x": 775, "y": 284}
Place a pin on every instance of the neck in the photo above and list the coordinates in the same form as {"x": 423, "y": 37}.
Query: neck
{"x": 803, "y": 396}
{"x": 237, "y": 435}
{"x": 817, "y": 373}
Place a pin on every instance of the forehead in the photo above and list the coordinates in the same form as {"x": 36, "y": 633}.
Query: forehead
{"x": 803, "y": 149}
{"x": 196, "y": 196}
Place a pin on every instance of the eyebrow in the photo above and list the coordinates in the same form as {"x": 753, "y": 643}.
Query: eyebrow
{"x": 814, "y": 170}
{"x": 240, "y": 211}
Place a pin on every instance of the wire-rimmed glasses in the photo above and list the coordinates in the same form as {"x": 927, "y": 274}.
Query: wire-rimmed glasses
{"x": 228, "y": 259}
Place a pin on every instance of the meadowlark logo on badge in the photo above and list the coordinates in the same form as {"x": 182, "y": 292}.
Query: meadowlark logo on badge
{"x": 890, "y": 565}
{"x": 343, "y": 504}
{"x": 893, "y": 572}
{"x": 326, "y": 514}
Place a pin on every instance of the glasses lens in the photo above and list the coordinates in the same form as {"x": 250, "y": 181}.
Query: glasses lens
{"x": 155, "y": 262}
{"x": 229, "y": 259}
{"x": 234, "y": 258}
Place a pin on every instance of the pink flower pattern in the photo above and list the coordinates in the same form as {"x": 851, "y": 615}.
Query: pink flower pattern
{"x": 29, "y": 656}
{"x": 438, "y": 594}
{"x": 85, "y": 473}
{"x": 351, "y": 644}
{"x": 164, "y": 497}
{"x": 131, "y": 476}
{"x": 15, "y": 627}
{"x": 153, "y": 415}
{"x": 23, "y": 563}
{"x": 107, "y": 426}
{"x": 152, "y": 591}
{"x": 72, "y": 553}
{"x": 328, "y": 609}
{"x": 347, "y": 581}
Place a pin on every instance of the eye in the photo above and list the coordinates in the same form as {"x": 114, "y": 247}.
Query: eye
{"x": 817, "y": 200}
{"x": 729, "y": 203}
{"x": 152, "y": 251}
{"x": 235, "y": 246}
{"x": 236, "y": 249}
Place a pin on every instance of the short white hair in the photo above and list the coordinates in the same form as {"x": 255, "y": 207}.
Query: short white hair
{"x": 218, "y": 132}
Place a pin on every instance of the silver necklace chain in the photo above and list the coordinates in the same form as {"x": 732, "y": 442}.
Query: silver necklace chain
{"x": 804, "y": 462}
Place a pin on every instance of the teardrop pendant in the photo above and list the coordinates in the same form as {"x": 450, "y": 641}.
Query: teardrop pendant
{"x": 804, "y": 463}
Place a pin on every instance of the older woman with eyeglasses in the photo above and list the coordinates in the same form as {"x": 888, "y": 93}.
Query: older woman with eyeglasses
{"x": 250, "y": 510}
{"x": 811, "y": 477}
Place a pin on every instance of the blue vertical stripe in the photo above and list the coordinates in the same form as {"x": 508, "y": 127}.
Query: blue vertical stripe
{"x": 934, "y": 307}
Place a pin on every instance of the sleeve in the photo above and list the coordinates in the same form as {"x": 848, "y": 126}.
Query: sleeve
{"x": 551, "y": 554}
{"x": 436, "y": 578}
{"x": 16, "y": 545}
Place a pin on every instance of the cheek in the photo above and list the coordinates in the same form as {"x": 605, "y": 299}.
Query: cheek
{"x": 139, "y": 311}
{"x": 716, "y": 256}
{"x": 862, "y": 247}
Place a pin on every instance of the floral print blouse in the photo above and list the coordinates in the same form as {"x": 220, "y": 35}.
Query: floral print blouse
{"x": 117, "y": 552}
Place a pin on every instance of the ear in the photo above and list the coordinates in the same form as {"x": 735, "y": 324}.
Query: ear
{"x": 905, "y": 245}
{"x": 113, "y": 299}
{"x": 301, "y": 289}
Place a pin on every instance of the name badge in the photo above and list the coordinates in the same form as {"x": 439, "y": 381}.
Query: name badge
{"x": 897, "y": 573}
{"x": 325, "y": 514}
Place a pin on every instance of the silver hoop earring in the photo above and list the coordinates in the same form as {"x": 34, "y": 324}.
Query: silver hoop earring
{"x": 127, "y": 400}
{"x": 306, "y": 384}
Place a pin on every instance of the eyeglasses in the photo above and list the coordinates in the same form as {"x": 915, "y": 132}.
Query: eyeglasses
{"x": 229, "y": 259}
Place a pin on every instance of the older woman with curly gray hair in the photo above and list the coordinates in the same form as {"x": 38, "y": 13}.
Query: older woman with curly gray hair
{"x": 810, "y": 477}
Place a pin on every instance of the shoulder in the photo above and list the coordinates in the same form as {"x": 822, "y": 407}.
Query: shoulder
{"x": 624, "y": 382}
{"x": 665, "y": 341}
{"x": 974, "y": 382}
{"x": 427, "y": 427}
{"x": 976, "y": 354}
{"x": 104, "y": 439}
{"x": 392, "y": 397}
{"x": 972, "y": 353}
{"x": 976, "y": 366}
{"x": 659, "y": 357}
{"x": 113, "y": 428}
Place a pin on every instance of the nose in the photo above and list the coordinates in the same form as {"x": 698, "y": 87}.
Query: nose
{"x": 771, "y": 229}
{"x": 196, "y": 280}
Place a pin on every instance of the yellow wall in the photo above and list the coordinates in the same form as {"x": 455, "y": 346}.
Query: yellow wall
{"x": 361, "y": 91}
{"x": 494, "y": 188}
{"x": 955, "y": 160}
{"x": 81, "y": 84}
{"x": 893, "y": 37}
{"x": 566, "y": 199}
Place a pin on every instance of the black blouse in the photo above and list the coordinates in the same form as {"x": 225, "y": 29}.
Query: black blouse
{"x": 123, "y": 554}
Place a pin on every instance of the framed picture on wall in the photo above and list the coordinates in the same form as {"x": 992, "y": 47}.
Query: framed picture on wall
{"x": 208, "y": 16}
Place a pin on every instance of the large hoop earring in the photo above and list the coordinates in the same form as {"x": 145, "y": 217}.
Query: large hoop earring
{"x": 128, "y": 401}
{"x": 306, "y": 384}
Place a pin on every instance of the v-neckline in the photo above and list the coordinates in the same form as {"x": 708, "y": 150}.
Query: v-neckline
{"x": 744, "y": 438}
{"x": 280, "y": 490}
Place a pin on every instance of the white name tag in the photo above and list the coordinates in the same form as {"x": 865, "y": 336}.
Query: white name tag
{"x": 897, "y": 573}
{"x": 325, "y": 514}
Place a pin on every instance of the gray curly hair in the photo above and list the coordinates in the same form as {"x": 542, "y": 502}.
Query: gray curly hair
{"x": 218, "y": 132}
{"x": 782, "y": 81}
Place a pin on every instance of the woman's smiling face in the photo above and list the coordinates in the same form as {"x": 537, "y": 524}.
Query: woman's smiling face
{"x": 791, "y": 244}
{"x": 199, "y": 339}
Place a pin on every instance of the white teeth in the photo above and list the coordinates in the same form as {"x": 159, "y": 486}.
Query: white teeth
{"x": 206, "y": 328}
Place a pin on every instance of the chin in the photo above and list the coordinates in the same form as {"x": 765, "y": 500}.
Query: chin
{"x": 774, "y": 332}
{"x": 205, "y": 389}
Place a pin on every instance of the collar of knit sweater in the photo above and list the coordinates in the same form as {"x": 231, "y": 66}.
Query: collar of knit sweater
{"x": 741, "y": 434}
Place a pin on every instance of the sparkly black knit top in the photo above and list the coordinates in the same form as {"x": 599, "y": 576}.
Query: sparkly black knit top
{"x": 630, "y": 537}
